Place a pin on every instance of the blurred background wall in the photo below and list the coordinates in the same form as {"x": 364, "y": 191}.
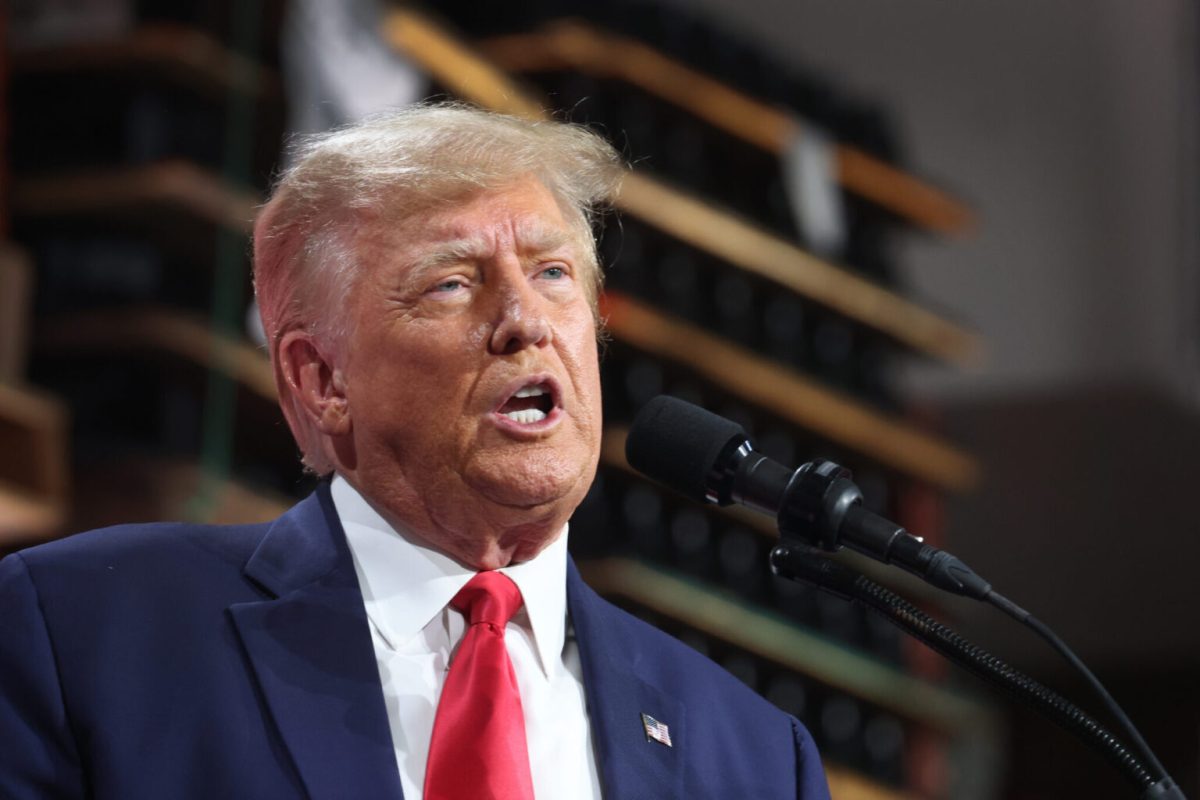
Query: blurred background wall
{"x": 1071, "y": 127}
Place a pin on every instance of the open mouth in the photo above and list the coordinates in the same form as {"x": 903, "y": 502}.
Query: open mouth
{"x": 530, "y": 404}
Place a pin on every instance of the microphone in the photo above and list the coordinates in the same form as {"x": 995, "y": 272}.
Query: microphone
{"x": 710, "y": 459}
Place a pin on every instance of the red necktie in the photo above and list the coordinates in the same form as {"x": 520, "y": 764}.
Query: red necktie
{"x": 478, "y": 751}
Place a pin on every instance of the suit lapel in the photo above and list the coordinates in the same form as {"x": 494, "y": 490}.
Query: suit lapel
{"x": 630, "y": 764}
{"x": 311, "y": 652}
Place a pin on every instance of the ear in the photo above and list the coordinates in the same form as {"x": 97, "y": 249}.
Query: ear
{"x": 315, "y": 382}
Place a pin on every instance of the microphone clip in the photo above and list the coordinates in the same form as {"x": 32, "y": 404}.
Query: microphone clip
{"x": 817, "y": 500}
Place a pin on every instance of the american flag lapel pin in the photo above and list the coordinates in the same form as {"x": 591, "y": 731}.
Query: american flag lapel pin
{"x": 656, "y": 731}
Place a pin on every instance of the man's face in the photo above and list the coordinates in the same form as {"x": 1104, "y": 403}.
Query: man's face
{"x": 471, "y": 373}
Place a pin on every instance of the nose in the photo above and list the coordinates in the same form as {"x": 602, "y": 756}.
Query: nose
{"x": 520, "y": 316}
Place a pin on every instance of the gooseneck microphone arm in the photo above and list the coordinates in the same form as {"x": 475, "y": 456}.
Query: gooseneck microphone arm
{"x": 710, "y": 459}
{"x": 802, "y": 563}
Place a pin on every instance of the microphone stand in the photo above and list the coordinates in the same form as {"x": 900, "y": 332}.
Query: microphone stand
{"x": 709, "y": 458}
{"x": 802, "y": 563}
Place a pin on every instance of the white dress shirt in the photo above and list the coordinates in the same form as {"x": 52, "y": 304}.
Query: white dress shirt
{"x": 407, "y": 588}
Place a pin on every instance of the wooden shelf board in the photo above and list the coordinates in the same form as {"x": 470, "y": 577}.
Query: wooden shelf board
{"x": 571, "y": 44}
{"x": 771, "y": 637}
{"x": 175, "y": 51}
{"x": 31, "y": 408}
{"x": 153, "y": 488}
{"x": 26, "y": 519}
{"x": 456, "y": 66}
{"x": 132, "y": 190}
{"x": 34, "y": 426}
{"x": 165, "y": 331}
{"x": 837, "y": 417}
{"x": 472, "y": 77}
{"x": 754, "y": 250}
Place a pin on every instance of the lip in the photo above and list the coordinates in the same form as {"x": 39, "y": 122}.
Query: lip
{"x": 534, "y": 429}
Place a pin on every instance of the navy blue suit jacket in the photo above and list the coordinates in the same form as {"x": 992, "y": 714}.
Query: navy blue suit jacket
{"x": 184, "y": 661}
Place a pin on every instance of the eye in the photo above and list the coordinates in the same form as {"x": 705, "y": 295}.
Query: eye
{"x": 448, "y": 285}
{"x": 554, "y": 273}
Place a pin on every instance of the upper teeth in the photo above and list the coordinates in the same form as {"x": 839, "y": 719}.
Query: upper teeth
{"x": 530, "y": 391}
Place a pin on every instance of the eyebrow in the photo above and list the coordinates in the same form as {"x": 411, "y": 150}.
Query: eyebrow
{"x": 539, "y": 238}
{"x": 532, "y": 236}
{"x": 452, "y": 251}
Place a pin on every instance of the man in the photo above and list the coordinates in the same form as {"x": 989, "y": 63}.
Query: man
{"x": 428, "y": 285}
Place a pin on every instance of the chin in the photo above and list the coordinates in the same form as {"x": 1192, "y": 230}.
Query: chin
{"x": 536, "y": 484}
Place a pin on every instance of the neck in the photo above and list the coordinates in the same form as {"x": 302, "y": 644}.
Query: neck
{"x": 477, "y": 534}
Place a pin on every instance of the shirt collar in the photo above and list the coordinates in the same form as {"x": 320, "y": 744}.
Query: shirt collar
{"x": 405, "y": 583}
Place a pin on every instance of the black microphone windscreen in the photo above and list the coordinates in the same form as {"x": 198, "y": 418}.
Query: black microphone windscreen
{"x": 677, "y": 443}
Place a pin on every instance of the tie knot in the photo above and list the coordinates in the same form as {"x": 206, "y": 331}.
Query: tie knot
{"x": 489, "y": 597}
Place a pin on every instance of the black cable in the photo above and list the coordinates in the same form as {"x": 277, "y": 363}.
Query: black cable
{"x": 1037, "y": 626}
{"x": 803, "y": 563}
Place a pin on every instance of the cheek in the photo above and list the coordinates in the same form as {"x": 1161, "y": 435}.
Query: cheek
{"x": 381, "y": 372}
{"x": 477, "y": 336}
{"x": 583, "y": 360}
